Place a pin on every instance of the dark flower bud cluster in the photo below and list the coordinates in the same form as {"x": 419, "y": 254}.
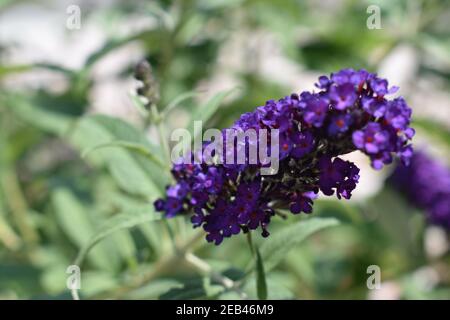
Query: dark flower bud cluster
{"x": 348, "y": 112}
{"x": 426, "y": 183}
{"x": 149, "y": 88}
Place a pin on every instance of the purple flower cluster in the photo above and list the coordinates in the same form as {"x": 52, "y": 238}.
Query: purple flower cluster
{"x": 426, "y": 183}
{"x": 349, "y": 112}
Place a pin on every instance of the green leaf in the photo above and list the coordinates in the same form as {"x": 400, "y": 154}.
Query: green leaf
{"x": 153, "y": 290}
{"x": 7, "y": 70}
{"x": 22, "y": 279}
{"x": 113, "y": 44}
{"x": 193, "y": 288}
{"x": 273, "y": 251}
{"x": 136, "y": 147}
{"x": 176, "y": 102}
{"x": 276, "y": 288}
{"x": 36, "y": 115}
{"x": 261, "y": 284}
{"x": 95, "y": 282}
{"x": 116, "y": 223}
{"x": 125, "y": 247}
{"x": 433, "y": 129}
{"x": 108, "y": 47}
{"x": 5, "y": 3}
{"x": 437, "y": 49}
{"x": 398, "y": 229}
{"x": 76, "y": 223}
{"x": 205, "y": 112}
{"x": 139, "y": 104}
{"x": 133, "y": 172}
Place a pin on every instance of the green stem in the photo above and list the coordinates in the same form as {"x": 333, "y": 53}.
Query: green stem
{"x": 203, "y": 267}
{"x": 250, "y": 243}
{"x": 261, "y": 282}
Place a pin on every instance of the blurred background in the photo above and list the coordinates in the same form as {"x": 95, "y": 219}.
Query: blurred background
{"x": 56, "y": 68}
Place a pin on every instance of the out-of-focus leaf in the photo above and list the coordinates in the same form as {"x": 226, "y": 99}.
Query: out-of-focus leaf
{"x": 395, "y": 215}
{"x": 53, "y": 262}
{"x": 205, "y": 112}
{"x": 176, "y": 102}
{"x": 8, "y": 237}
{"x": 125, "y": 203}
{"x": 139, "y": 104}
{"x": 72, "y": 216}
{"x": 107, "y": 48}
{"x": 434, "y": 129}
{"x": 54, "y": 278}
{"x": 136, "y": 147}
{"x": 7, "y": 70}
{"x": 256, "y": 91}
{"x": 125, "y": 246}
{"x": 343, "y": 211}
{"x": 273, "y": 251}
{"x": 154, "y": 289}
{"x": 436, "y": 48}
{"x": 44, "y": 119}
{"x": 195, "y": 288}
{"x": 5, "y": 3}
{"x": 133, "y": 172}
{"x": 276, "y": 289}
{"x": 167, "y": 19}
{"x": 219, "y": 4}
{"x": 95, "y": 282}
{"x": 113, "y": 44}
{"x": 74, "y": 219}
{"x": 21, "y": 279}
{"x": 114, "y": 224}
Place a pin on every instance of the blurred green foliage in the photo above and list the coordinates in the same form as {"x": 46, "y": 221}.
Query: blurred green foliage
{"x": 56, "y": 205}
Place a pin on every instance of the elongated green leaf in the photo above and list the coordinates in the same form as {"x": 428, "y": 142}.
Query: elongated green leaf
{"x": 141, "y": 149}
{"x": 276, "y": 289}
{"x": 261, "y": 284}
{"x": 154, "y": 289}
{"x": 94, "y": 282}
{"x": 176, "y": 102}
{"x": 398, "y": 227}
{"x": 107, "y": 48}
{"x": 7, "y": 70}
{"x": 125, "y": 247}
{"x": 71, "y": 216}
{"x": 113, "y": 44}
{"x": 433, "y": 129}
{"x": 8, "y": 237}
{"x": 21, "y": 277}
{"x": 45, "y": 119}
{"x": 114, "y": 224}
{"x": 139, "y": 104}
{"x": 132, "y": 171}
{"x": 204, "y": 113}
{"x": 77, "y": 224}
{"x": 273, "y": 251}
{"x": 194, "y": 288}
{"x": 5, "y": 3}
{"x": 437, "y": 49}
